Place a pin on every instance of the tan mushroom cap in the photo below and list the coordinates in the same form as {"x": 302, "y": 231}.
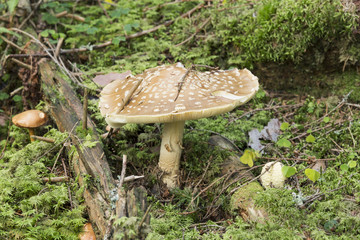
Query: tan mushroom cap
{"x": 30, "y": 119}
{"x": 156, "y": 97}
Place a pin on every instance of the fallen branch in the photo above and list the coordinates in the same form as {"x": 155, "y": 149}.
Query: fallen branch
{"x": 55, "y": 179}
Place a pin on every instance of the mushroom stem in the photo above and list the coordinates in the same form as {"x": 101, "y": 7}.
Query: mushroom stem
{"x": 170, "y": 151}
{"x": 31, "y": 133}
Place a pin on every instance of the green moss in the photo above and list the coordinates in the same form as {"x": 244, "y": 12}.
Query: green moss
{"x": 30, "y": 208}
{"x": 245, "y": 195}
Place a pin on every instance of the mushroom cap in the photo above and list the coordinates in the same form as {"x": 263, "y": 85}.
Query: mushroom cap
{"x": 274, "y": 176}
{"x": 30, "y": 119}
{"x": 154, "y": 96}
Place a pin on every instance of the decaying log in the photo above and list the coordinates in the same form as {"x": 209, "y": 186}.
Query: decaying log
{"x": 66, "y": 109}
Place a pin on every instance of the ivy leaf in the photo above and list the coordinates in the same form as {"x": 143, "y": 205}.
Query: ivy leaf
{"x": 248, "y": 157}
{"x": 312, "y": 174}
{"x": 326, "y": 119}
{"x": 284, "y": 126}
{"x": 352, "y": 164}
{"x": 283, "y": 142}
{"x": 310, "y": 139}
{"x": 288, "y": 171}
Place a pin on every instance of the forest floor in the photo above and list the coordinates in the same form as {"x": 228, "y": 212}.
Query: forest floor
{"x": 313, "y": 131}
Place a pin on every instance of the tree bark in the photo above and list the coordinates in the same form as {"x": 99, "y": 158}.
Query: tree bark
{"x": 66, "y": 110}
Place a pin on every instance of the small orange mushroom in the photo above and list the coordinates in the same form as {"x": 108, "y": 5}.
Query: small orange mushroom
{"x": 30, "y": 119}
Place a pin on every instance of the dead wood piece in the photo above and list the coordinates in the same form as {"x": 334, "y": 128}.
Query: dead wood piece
{"x": 45, "y": 139}
{"x": 67, "y": 111}
{"x": 55, "y": 179}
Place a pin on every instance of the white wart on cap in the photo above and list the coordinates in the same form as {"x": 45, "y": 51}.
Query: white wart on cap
{"x": 172, "y": 94}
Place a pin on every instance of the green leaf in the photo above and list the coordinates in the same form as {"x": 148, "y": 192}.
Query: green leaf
{"x": 312, "y": 174}
{"x": 47, "y": 32}
{"x": 12, "y": 5}
{"x": 119, "y": 39}
{"x": 5, "y": 30}
{"x": 49, "y": 18}
{"x": 128, "y": 27}
{"x": 344, "y": 167}
{"x": 326, "y": 119}
{"x": 352, "y": 164}
{"x": 17, "y": 98}
{"x": 284, "y": 126}
{"x": 283, "y": 142}
{"x": 288, "y": 171}
{"x": 248, "y": 157}
{"x": 310, "y": 138}
{"x": 118, "y": 12}
{"x": 3, "y": 96}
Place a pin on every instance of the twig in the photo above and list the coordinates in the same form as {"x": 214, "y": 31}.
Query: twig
{"x": 144, "y": 217}
{"x": 16, "y": 91}
{"x": 123, "y": 170}
{"x": 298, "y": 159}
{"x": 194, "y": 34}
{"x": 69, "y": 15}
{"x": 85, "y": 109}
{"x": 56, "y": 179}
{"x": 352, "y": 136}
{"x": 57, "y": 158}
{"x": 181, "y": 82}
{"x": 104, "y": 10}
{"x": 204, "y": 190}
{"x": 132, "y": 178}
{"x": 62, "y": 142}
{"x": 45, "y": 139}
{"x": 58, "y": 47}
{"x": 22, "y": 64}
{"x": 202, "y": 177}
{"x": 11, "y": 43}
{"x": 312, "y": 198}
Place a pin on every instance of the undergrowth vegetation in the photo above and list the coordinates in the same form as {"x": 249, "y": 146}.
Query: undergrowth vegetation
{"x": 31, "y": 208}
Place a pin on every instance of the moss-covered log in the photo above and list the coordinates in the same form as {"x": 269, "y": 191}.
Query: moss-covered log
{"x": 66, "y": 109}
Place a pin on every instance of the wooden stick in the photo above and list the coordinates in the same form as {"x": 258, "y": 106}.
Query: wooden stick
{"x": 55, "y": 179}
{"x": 20, "y": 63}
{"x": 85, "y": 107}
{"x": 44, "y": 139}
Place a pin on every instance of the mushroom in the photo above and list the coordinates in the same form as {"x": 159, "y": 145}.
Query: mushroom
{"x": 30, "y": 119}
{"x": 171, "y": 95}
{"x": 272, "y": 176}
